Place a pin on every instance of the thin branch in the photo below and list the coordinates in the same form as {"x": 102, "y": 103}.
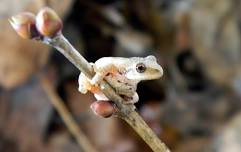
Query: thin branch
{"x": 67, "y": 118}
{"x": 46, "y": 27}
{"x": 126, "y": 112}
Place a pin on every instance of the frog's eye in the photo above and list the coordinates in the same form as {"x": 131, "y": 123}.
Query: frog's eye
{"x": 140, "y": 67}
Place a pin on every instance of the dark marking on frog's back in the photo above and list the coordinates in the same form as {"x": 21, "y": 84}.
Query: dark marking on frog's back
{"x": 120, "y": 72}
{"x": 128, "y": 84}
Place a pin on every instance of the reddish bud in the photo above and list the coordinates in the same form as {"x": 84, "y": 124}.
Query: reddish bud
{"x": 48, "y": 22}
{"x": 24, "y": 25}
{"x": 103, "y": 108}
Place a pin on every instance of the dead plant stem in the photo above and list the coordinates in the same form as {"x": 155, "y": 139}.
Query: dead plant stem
{"x": 70, "y": 123}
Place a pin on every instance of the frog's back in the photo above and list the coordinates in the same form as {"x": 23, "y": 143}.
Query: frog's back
{"x": 117, "y": 61}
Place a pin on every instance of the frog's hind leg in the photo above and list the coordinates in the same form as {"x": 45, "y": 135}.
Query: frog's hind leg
{"x": 130, "y": 99}
{"x": 83, "y": 83}
{"x": 135, "y": 98}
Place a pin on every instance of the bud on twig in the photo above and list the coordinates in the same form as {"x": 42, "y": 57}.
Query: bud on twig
{"x": 24, "y": 25}
{"x": 103, "y": 108}
{"x": 48, "y": 22}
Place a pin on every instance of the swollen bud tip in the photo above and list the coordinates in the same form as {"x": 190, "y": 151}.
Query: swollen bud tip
{"x": 48, "y": 23}
{"x": 103, "y": 108}
{"x": 24, "y": 25}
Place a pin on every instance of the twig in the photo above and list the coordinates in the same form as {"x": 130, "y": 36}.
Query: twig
{"x": 67, "y": 118}
{"x": 46, "y": 27}
{"x": 126, "y": 112}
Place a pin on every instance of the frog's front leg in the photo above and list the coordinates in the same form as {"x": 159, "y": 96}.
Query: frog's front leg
{"x": 85, "y": 86}
{"x": 101, "y": 72}
{"x": 98, "y": 77}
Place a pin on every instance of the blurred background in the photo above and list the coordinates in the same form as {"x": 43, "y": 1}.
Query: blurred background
{"x": 194, "y": 107}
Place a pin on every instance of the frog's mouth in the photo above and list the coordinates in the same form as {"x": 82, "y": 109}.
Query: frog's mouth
{"x": 154, "y": 74}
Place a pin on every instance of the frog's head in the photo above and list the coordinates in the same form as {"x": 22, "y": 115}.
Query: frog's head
{"x": 144, "y": 69}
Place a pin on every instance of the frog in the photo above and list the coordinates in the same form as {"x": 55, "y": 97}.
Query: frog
{"x": 123, "y": 74}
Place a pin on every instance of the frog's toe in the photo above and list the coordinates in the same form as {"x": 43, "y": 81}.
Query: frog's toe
{"x": 100, "y": 96}
{"x": 96, "y": 79}
{"x": 135, "y": 98}
{"x": 82, "y": 90}
{"x": 93, "y": 82}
